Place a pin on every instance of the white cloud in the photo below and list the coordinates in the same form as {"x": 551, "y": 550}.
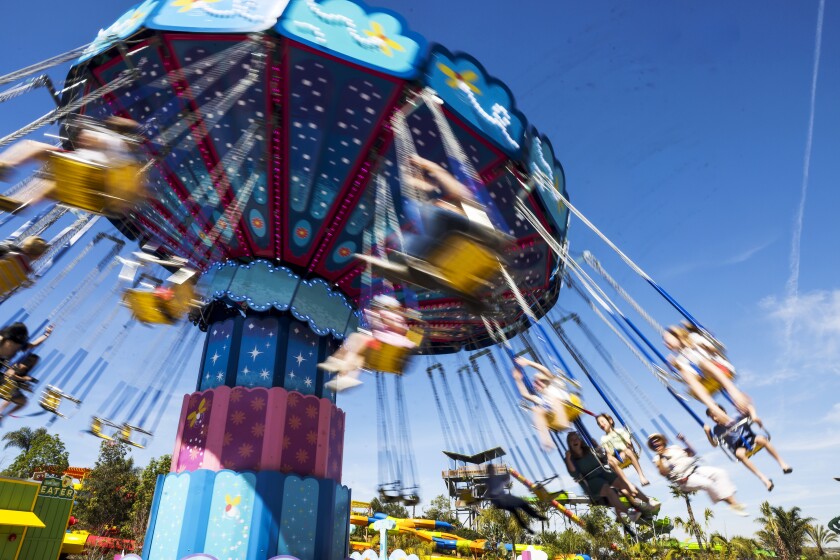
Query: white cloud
{"x": 815, "y": 343}
{"x": 833, "y": 414}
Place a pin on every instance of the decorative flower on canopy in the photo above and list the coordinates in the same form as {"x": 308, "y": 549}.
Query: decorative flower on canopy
{"x": 386, "y": 44}
{"x": 187, "y": 5}
{"x": 455, "y": 79}
{"x": 195, "y": 415}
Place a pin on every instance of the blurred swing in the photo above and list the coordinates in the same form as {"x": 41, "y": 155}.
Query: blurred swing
{"x": 462, "y": 262}
{"x": 58, "y": 402}
{"x": 169, "y": 301}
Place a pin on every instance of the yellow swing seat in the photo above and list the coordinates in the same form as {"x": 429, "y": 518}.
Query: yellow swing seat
{"x": 152, "y": 307}
{"x": 573, "y": 411}
{"x": 58, "y": 402}
{"x": 99, "y": 426}
{"x": 389, "y": 358}
{"x": 93, "y": 187}
{"x": 14, "y": 272}
{"x": 134, "y": 436}
{"x": 465, "y": 265}
{"x": 8, "y": 388}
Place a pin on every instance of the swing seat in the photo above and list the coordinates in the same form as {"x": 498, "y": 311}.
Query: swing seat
{"x": 8, "y": 389}
{"x": 467, "y": 266}
{"x": 410, "y": 498}
{"x": 466, "y": 497}
{"x": 14, "y": 273}
{"x": 379, "y": 356}
{"x": 156, "y": 308}
{"x": 93, "y": 187}
{"x": 573, "y": 408}
{"x": 54, "y": 400}
{"x": 389, "y": 496}
{"x": 98, "y": 427}
{"x": 134, "y": 436}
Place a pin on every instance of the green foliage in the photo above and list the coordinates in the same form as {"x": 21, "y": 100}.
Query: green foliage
{"x": 394, "y": 510}
{"x": 139, "y": 519}
{"x": 820, "y": 536}
{"x": 38, "y": 448}
{"x": 109, "y": 491}
{"x": 783, "y": 531}
{"x": 440, "y": 509}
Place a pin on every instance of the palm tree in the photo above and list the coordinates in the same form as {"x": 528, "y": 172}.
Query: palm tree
{"x": 23, "y": 438}
{"x": 692, "y": 525}
{"x": 820, "y": 536}
{"x": 783, "y": 530}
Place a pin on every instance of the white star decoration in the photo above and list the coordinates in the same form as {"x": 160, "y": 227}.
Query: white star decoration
{"x": 246, "y": 371}
{"x": 292, "y": 375}
{"x": 220, "y": 376}
{"x": 254, "y": 353}
{"x": 215, "y": 357}
{"x": 264, "y": 374}
{"x": 251, "y": 326}
{"x": 300, "y": 359}
{"x": 307, "y": 382}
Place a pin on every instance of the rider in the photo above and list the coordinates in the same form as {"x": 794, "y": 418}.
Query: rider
{"x": 739, "y": 438}
{"x": 108, "y": 147}
{"x": 19, "y": 374}
{"x": 551, "y": 399}
{"x": 15, "y": 337}
{"x": 388, "y": 325}
{"x": 694, "y": 365}
{"x": 681, "y": 466}
{"x": 617, "y": 442}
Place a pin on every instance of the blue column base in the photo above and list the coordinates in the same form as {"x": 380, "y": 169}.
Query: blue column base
{"x": 248, "y": 516}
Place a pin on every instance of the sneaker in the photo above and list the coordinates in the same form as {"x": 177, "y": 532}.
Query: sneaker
{"x": 653, "y": 506}
{"x": 634, "y": 514}
{"x": 342, "y": 383}
{"x": 739, "y": 509}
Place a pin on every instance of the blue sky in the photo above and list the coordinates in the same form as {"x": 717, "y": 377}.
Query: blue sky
{"x": 683, "y": 130}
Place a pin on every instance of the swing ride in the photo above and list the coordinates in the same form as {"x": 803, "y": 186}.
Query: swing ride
{"x": 292, "y": 162}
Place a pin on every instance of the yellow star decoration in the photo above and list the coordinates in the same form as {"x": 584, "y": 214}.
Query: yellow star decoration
{"x": 187, "y": 5}
{"x": 455, "y": 79}
{"x": 387, "y": 44}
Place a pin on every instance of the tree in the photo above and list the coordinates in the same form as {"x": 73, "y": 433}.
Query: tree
{"x": 139, "y": 519}
{"x": 820, "y": 536}
{"x": 109, "y": 489}
{"x": 783, "y": 531}
{"x": 23, "y": 438}
{"x": 394, "y": 510}
{"x": 691, "y": 525}
{"x": 440, "y": 509}
{"x": 38, "y": 448}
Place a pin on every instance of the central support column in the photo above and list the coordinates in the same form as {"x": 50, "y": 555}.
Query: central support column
{"x": 256, "y": 470}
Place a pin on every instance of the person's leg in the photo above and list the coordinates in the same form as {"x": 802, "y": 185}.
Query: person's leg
{"x": 18, "y": 404}
{"x": 530, "y": 511}
{"x": 629, "y": 454}
{"x": 541, "y": 424}
{"x": 742, "y": 402}
{"x": 619, "y": 472}
{"x": 24, "y": 152}
{"x": 612, "y": 498}
{"x": 702, "y": 394}
{"x": 560, "y": 421}
{"x": 765, "y": 443}
{"x": 741, "y": 455}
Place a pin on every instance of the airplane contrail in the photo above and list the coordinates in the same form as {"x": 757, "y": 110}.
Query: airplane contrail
{"x": 792, "y": 287}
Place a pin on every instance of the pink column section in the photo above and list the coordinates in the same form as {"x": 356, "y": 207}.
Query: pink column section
{"x": 275, "y": 421}
{"x": 322, "y": 450}
{"x": 179, "y": 434}
{"x": 216, "y": 429}
{"x": 259, "y": 429}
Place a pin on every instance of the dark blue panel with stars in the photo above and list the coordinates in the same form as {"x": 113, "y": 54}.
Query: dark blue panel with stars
{"x": 258, "y": 352}
{"x": 301, "y": 359}
{"x": 214, "y": 369}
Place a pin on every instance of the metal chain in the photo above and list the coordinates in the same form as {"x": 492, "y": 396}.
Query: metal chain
{"x": 43, "y": 65}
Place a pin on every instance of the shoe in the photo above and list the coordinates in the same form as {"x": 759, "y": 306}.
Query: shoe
{"x": 342, "y": 383}
{"x": 653, "y": 506}
{"x": 633, "y": 514}
{"x": 790, "y": 470}
{"x": 331, "y": 364}
{"x": 739, "y": 509}
{"x": 770, "y": 488}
